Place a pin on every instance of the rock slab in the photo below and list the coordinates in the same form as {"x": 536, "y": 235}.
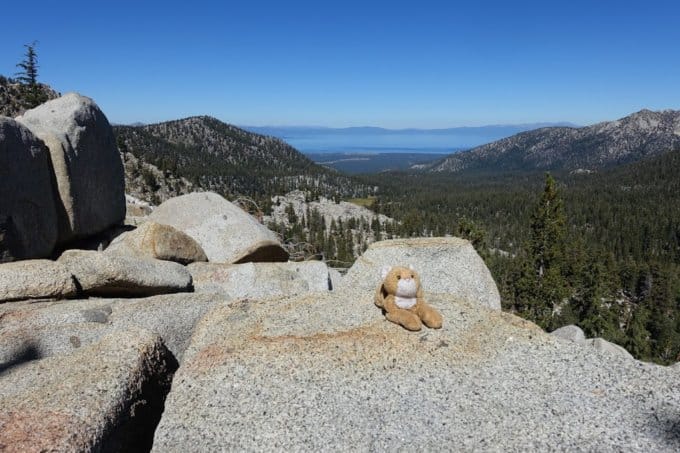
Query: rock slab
{"x": 446, "y": 266}
{"x": 103, "y": 397}
{"x": 35, "y": 279}
{"x": 327, "y": 371}
{"x": 110, "y": 274}
{"x": 86, "y": 163}
{"x": 258, "y": 280}
{"x": 28, "y": 213}
{"x": 42, "y": 329}
{"x": 226, "y": 233}
{"x": 158, "y": 241}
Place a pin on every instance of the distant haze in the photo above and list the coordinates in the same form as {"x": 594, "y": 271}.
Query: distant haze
{"x": 380, "y": 140}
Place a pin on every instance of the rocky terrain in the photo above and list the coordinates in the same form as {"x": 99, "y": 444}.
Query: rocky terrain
{"x": 12, "y": 99}
{"x": 329, "y": 210}
{"x": 628, "y": 139}
{"x": 192, "y": 331}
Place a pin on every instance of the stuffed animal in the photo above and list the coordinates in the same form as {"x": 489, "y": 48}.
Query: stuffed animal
{"x": 401, "y": 298}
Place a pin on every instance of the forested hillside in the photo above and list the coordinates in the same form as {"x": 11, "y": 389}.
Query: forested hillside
{"x": 225, "y": 159}
{"x": 607, "y": 257}
{"x": 642, "y": 134}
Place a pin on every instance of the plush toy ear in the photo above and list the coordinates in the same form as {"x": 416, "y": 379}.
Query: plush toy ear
{"x": 384, "y": 271}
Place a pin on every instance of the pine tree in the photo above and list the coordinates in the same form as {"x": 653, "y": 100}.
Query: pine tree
{"x": 542, "y": 288}
{"x": 28, "y": 77}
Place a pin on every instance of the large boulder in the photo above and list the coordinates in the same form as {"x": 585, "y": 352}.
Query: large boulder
{"x": 28, "y": 214}
{"x": 172, "y": 316}
{"x": 155, "y": 240}
{"x": 19, "y": 344}
{"x": 446, "y": 266}
{"x": 35, "y": 279}
{"x": 226, "y": 233}
{"x": 87, "y": 164}
{"x": 258, "y": 280}
{"x": 327, "y": 369}
{"x": 106, "y": 396}
{"x": 110, "y": 274}
{"x": 46, "y": 328}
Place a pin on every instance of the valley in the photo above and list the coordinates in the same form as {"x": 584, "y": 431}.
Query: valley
{"x": 621, "y": 223}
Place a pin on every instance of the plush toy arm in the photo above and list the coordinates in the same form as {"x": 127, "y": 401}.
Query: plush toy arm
{"x": 379, "y": 298}
{"x": 429, "y": 315}
{"x": 405, "y": 318}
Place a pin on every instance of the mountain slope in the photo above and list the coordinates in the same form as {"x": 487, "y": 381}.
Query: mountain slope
{"x": 217, "y": 156}
{"x": 615, "y": 142}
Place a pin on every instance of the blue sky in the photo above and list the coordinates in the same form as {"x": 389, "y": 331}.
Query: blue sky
{"x": 391, "y": 64}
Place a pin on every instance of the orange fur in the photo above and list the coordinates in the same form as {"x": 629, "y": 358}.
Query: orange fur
{"x": 401, "y": 285}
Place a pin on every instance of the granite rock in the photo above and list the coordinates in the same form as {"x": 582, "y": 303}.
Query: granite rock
{"x": 110, "y": 274}
{"x": 326, "y": 371}
{"x": 258, "y": 280}
{"x": 600, "y": 344}
{"x": 446, "y": 266}
{"x": 570, "y": 333}
{"x": 35, "y": 279}
{"x": 106, "y": 396}
{"x": 86, "y": 163}
{"x": 28, "y": 210}
{"x": 44, "y": 329}
{"x": 155, "y": 240}
{"x": 226, "y": 233}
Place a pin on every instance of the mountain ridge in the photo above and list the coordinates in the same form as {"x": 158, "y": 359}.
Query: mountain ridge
{"x": 226, "y": 159}
{"x": 597, "y": 146}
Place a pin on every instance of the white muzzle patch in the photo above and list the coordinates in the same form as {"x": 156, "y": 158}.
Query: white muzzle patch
{"x": 406, "y": 293}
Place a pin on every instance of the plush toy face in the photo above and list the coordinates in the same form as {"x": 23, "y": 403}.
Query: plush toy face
{"x": 402, "y": 282}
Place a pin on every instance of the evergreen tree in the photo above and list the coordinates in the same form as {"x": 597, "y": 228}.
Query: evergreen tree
{"x": 28, "y": 77}
{"x": 541, "y": 286}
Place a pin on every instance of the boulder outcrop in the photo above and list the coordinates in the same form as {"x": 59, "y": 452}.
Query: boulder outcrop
{"x": 158, "y": 241}
{"x": 86, "y": 163}
{"x": 226, "y": 233}
{"x": 320, "y": 370}
{"x": 110, "y": 274}
{"x": 446, "y": 266}
{"x": 570, "y": 333}
{"x": 44, "y": 329}
{"x": 259, "y": 280}
{"x": 35, "y": 279}
{"x": 28, "y": 213}
{"x": 106, "y": 396}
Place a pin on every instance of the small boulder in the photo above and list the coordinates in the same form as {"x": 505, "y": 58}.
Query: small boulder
{"x": 110, "y": 274}
{"x": 258, "y": 280}
{"x": 226, "y": 233}
{"x": 106, "y": 396}
{"x": 86, "y": 162}
{"x": 570, "y": 333}
{"x": 35, "y": 279}
{"x": 28, "y": 213}
{"x": 600, "y": 344}
{"x": 446, "y": 266}
{"x": 162, "y": 242}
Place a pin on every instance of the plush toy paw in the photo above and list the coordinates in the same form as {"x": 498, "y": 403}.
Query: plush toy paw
{"x": 405, "y": 319}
